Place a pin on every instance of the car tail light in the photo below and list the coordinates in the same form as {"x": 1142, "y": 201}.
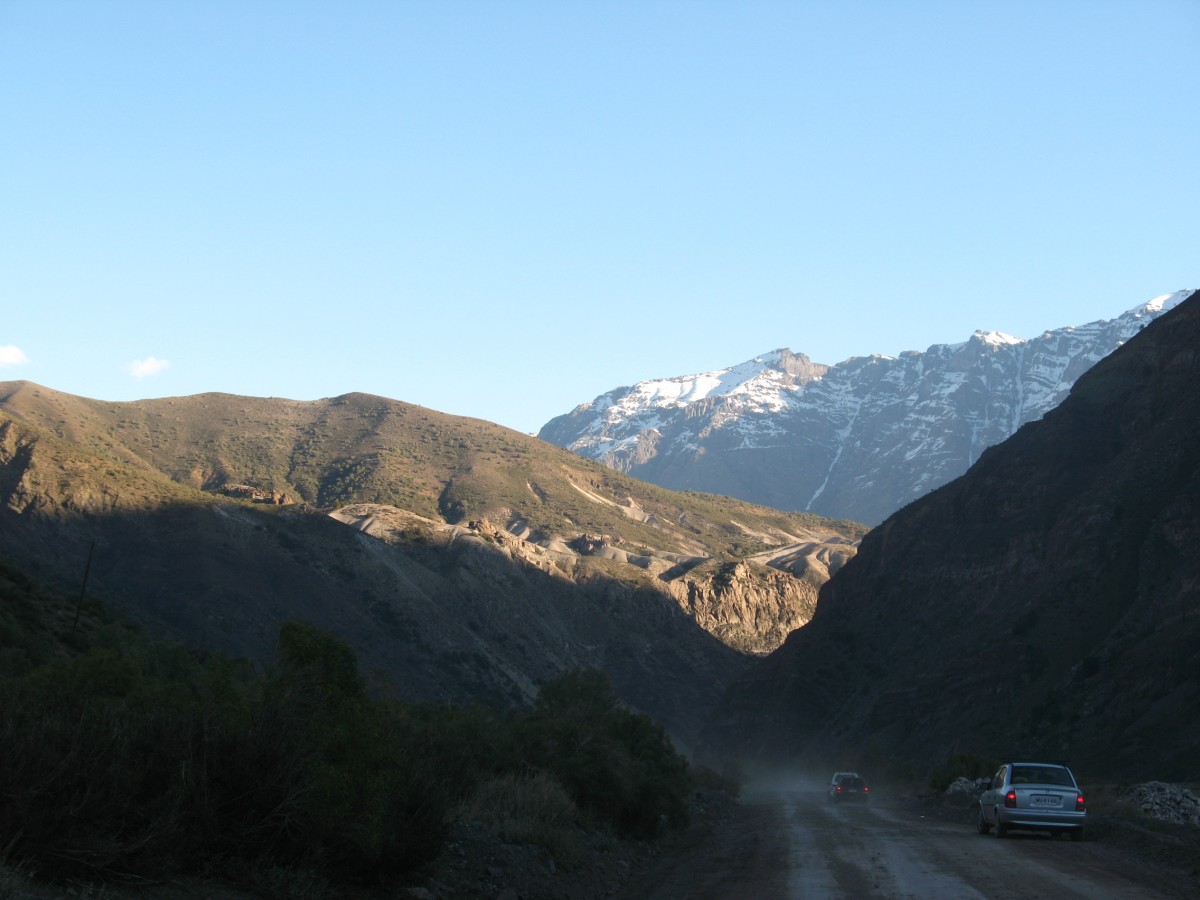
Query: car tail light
{"x": 866, "y": 789}
{"x": 1080, "y": 803}
{"x": 1010, "y": 799}
{"x": 839, "y": 788}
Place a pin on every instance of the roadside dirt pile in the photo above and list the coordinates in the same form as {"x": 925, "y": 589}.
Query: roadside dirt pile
{"x": 1165, "y": 802}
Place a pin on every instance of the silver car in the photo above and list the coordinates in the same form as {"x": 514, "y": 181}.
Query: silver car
{"x": 1033, "y": 796}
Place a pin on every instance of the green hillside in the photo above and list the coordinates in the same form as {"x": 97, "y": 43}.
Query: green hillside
{"x": 360, "y": 448}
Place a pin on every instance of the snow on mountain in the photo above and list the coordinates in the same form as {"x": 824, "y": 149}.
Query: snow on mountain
{"x": 856, "y": 440}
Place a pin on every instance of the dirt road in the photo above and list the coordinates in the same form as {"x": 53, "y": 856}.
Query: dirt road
{"x": 791, "y": 844}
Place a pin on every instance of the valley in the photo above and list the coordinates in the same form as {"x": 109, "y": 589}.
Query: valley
{"x": 520, "y": 451}
{"x": 1043, "y": 601}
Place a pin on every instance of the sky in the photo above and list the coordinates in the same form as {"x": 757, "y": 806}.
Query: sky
{"x": 504, "y": 209}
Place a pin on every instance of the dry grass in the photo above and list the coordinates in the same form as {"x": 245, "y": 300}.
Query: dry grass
{"x": 12, "y": 883}
{"x": 526, "y": 809}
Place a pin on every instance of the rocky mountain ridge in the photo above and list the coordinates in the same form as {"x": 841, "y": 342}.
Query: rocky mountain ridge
{"x": 856, "y": 440}
{"x": 751, "y": 605}
{"x": 465, "y": 561}
{"x": 444, "y": 469}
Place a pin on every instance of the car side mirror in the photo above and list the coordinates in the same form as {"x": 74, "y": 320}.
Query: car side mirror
{"x": 983, "y": 784}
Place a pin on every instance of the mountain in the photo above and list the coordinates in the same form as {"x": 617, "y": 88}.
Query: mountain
{"x": 857, "y": 440}
{"x": 464, "y": 560}
{"x": 1047, "y": 601}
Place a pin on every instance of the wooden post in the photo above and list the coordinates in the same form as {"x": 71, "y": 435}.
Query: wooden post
{"x": 83, "y": 587}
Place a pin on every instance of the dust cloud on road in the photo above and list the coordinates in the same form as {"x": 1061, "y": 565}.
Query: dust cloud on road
{"x": 789, "y": 842}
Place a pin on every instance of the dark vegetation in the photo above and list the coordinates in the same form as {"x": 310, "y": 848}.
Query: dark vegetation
{"x": 128, "y": 758}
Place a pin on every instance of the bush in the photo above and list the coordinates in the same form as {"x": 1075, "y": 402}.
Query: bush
{"x": 617, "y": 765}
{"x": 114, "y": 768}
{"x": 138, "y": 759}
{"x": 371, "y": 802}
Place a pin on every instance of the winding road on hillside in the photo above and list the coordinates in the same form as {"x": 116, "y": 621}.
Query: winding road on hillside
{"x": 790, "y": 843}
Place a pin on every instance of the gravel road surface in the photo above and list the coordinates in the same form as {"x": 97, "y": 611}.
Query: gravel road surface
{"x": 791, "y": 843}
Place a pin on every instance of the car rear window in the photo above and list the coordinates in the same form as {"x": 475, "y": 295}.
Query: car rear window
{"x": 1041, "y": 775}
{"x": 852, "y": 784}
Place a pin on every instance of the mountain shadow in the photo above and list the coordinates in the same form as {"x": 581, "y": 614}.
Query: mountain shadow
{"x": 392, "y": 469}
{"x": 1046, "y": 601}
{"x": 468, "y": 563}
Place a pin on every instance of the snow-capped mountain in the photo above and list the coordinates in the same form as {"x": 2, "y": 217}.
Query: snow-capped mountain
{"x": 857, "y": 440}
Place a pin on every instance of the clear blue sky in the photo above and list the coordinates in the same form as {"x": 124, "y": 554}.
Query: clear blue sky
{"x": 503, "y": 209}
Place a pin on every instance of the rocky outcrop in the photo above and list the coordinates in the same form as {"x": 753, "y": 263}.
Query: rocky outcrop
{"x": 750, "y": 605}
{"x": 256, "y": 495}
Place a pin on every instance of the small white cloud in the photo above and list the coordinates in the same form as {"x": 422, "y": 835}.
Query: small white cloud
{"x": 12, "y": 356}
{"x": 140, "y": 368}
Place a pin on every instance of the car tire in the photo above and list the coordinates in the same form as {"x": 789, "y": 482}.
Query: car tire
{"x": 1076, "y": 834}
{"x": 1001, "y": 828}
{"x": 983, "y": 826}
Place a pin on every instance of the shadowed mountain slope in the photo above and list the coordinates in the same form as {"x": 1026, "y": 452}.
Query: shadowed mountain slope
{"x": 1047, "y": 601}
{"x": 450, "y": 470}
{"x": 465, "y": 561}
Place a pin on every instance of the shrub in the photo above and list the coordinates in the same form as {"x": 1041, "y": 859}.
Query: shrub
{"x": 371, "y": 802}
{"x": 139, "y": 759}
{"x": 617, "y": 765}
{"x": 143, "y": 762}
{"x": 527, "y": 809}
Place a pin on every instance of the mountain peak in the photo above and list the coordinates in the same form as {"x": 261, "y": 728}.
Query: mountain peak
{"x": 1166, "y": 302}
{"x": 857, "y": 440}
{"x": 997, "y": 338}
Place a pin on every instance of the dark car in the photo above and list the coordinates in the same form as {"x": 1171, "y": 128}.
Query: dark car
{"x": 1035, "y": 796}
{"x": 848, "y": 786}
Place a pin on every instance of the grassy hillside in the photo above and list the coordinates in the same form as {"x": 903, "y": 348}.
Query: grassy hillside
{"x": 361, "y": 448}
{"x": 450, "y": 614}
{"x": 39, "y": 625}
{"x": 478, "y": 564}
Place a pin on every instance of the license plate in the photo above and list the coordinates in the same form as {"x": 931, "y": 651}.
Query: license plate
{"x": 1046, "y": 800}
